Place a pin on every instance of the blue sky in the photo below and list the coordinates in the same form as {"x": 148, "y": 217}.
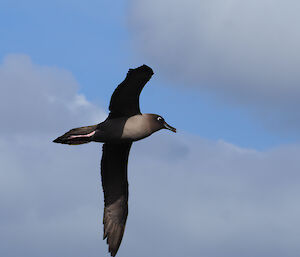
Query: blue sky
{"x": 94, "y": 42}
{"x": 226, "y": 76}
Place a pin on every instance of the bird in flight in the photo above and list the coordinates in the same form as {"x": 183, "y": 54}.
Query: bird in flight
{"x": 124, "y": 125}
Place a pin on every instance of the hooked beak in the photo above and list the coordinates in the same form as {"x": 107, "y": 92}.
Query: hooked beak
{"x": 167, "y": 126}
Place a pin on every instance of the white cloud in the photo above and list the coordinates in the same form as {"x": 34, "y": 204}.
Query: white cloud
{"x": 39, "y": 99}
{"x": 243, "y": 52}
{"x": 216, "y": 199}
{"x": 188, "y": 196}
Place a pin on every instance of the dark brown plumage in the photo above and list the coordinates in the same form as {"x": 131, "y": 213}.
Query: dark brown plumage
{"x": 124, "y": 125}
{"x": 125, "y": 99}
{"x": 115, "y": 187}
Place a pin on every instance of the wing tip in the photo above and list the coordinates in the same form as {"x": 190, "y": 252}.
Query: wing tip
{"x": 144, "y": 68}
{"x": 113, "y": 242}
{"x": 113, "y": 233}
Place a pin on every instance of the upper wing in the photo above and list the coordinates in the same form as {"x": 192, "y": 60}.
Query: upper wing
{"x": 125, "y": 99}
{"x": 115, "y": 187}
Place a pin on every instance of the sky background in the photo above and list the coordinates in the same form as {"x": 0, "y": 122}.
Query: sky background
{"x": 226, "y": 76}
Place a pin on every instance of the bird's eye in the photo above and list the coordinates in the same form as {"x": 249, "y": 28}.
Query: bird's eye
{"x": 159, "y": 118}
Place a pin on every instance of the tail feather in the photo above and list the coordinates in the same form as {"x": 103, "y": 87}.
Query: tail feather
{"x": 77, "y": 136}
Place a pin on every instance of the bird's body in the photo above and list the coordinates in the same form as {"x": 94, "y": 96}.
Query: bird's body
{"x": 116, "y": 130}
{"x": 126, "y": 129}
{"x": 124, "y": 125}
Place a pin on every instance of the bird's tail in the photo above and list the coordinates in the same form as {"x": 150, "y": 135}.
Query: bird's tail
{"x": 77, "y": 136}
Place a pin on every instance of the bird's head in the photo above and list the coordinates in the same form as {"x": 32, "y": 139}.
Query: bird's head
{"x": 157, "y": 122}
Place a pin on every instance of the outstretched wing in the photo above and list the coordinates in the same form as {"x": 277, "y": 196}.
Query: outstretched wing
{"x": 115, "y": 187}
{"x": 125, "y": 99}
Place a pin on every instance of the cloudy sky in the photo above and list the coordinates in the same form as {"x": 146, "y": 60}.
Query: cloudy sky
{"x": 226, "y": 76}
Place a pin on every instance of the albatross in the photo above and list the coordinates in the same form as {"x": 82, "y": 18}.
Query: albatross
{"x": 124, "y": 125}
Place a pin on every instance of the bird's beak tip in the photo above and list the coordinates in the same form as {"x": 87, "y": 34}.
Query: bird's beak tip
{"x": 167, "y": 126}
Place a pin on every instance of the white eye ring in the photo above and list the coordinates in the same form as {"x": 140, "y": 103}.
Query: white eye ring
{"x": 159, "y": 118}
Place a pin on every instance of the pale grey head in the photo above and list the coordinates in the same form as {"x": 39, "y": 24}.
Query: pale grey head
{"x": 135, "y": 127}
{"x": 157, "y": 122}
